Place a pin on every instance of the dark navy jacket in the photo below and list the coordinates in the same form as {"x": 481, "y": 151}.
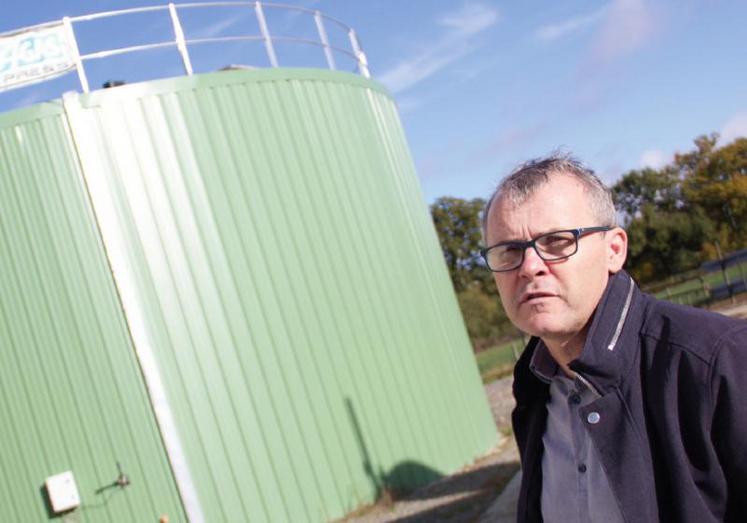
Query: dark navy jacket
{"x": 671, "y": 433}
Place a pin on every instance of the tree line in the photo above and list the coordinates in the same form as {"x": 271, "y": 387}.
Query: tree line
{"x": 692, "y": 210}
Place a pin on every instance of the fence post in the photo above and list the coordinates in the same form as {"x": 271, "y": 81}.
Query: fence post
{"x": 325, "y": 41}
{"x": 265, "y": 34}
{"x": 706, "y": 289}
{"x": 181, "y": 43}
{"x": 76, "y": 53}
{"x": 359, "y": 54}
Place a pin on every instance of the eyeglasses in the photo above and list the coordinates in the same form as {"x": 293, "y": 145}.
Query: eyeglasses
{"x": 551, "y": 246}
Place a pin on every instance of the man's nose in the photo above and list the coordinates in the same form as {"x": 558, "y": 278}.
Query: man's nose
{"x": 532, "y": 264}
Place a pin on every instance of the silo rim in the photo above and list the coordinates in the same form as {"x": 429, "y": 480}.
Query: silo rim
{"x": 223, "y": 78}
{"x": 31, "y": 112}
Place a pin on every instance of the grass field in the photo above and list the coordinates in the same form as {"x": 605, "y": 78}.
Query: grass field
{"x": 695, "y": 285}
{"x": 497, "y": 362}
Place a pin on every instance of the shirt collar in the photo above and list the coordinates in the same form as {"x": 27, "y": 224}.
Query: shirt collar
{"x": 542, "y": 364}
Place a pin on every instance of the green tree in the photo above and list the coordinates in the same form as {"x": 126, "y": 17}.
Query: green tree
{"x": 457, "y": 223}
{"x": 662, "y": 244}
{"x": 484, "y": 317}
{"x": 718, "y": 185}
{"x": 658, "y": 188}
{"x": 678, "y": 215}
{"x": 689, "y": 162}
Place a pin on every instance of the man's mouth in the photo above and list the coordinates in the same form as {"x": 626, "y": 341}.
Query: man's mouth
{"x": 530, "y": 297}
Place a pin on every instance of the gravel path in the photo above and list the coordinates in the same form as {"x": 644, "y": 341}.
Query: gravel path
{"x": 501, "y": 400}
{"x": 464, "y": 496}
{"x": 738, "y": 310}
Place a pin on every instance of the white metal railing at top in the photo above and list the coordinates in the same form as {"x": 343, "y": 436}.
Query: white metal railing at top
{"x": 76, "y": 59}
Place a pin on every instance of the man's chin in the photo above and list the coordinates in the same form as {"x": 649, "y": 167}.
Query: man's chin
{"x": 544, "y": 330}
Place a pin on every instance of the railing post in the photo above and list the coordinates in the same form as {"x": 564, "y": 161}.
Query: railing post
{"x": 265, "y": 34}
{"x": 360, "y": 55}
{"x": 181, "y": 44}
{"x": 324, "y": 40}
{"x": 76, "y": 53}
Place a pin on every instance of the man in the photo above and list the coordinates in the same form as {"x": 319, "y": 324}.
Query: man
{"x": 628, "y": 408}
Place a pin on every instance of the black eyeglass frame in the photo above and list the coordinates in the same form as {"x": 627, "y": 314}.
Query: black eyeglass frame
{"x": 524, "y": 245}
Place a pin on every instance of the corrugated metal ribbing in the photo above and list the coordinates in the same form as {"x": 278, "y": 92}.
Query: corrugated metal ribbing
{"x": 272, "y": 235}
{"x": 71, "y": 394}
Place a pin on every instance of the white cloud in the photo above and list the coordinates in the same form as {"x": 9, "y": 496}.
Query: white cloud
{"x": 460, "y": 27}
{"x": 627, "y": 25}
{"x": 655, "y": 159}
{"x": 470, "y": 19}
{"x": 557, "y": 30}
{"x": 418, "y": 68}
{"x": 734, "y": 128}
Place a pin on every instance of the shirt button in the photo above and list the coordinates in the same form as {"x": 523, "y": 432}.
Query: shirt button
{"x": 593, "y": 418}
{"x": 582, "y": 468}
{"x": 575, "y": 399}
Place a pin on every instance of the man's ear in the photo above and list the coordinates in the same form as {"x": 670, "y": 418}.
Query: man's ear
{"x": 617, "y": 249}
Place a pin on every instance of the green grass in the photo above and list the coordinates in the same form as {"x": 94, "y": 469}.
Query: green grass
{"x": 497, "y": 362}
{"x": 695, "y": 285}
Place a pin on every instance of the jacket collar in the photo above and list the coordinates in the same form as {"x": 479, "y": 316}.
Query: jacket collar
{"x": 609, "y": 351}
{"x": 542, "y": 364}
{"x": 526, "y": 385}
{"x": 611, "y": 342}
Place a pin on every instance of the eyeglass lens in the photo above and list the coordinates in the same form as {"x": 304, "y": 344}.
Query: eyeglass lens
{"x": 551, "y": 246}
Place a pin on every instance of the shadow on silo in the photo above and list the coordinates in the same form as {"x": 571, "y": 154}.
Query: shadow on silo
{"x": 401, "y": 479}
{"x": 477, "y": 487}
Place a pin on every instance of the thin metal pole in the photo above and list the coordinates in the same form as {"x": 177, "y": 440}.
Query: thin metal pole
{"x": 265, "y": 34}
{"x": 325, "y": 41}
{"x": 76, "y": 54}
{"x": 362, "y": 60}
{"x": 181, "y": 45}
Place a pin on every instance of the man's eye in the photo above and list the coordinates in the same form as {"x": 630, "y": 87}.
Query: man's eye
{"x": 555, "y": 239}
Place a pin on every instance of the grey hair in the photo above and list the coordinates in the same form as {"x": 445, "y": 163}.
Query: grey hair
{"x": 528, "y": 177}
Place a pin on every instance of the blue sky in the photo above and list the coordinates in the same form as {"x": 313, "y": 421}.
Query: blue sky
{"x": 485, "y": 85}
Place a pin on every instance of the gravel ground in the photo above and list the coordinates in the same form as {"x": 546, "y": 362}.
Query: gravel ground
{"x": 501, "y": 400}
{"x": 738, "y": 310}
{"x": 464, "y": 496}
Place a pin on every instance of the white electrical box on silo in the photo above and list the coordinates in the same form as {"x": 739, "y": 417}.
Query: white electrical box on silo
{"x": 62, "y": 492}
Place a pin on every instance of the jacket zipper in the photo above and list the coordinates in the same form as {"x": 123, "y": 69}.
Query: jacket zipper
{"x": 615, "y": 337}
{"x": 623, "y": 316}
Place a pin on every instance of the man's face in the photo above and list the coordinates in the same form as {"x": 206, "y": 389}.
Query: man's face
{"x": 554, "y": 300}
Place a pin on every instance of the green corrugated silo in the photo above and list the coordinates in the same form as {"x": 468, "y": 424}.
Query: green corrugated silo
{"x": 227, "y": 288}
{"x": 71, "y": 394}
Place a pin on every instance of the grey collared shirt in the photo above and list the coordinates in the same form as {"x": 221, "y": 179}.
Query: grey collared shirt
{"x": 574, "y": 485}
